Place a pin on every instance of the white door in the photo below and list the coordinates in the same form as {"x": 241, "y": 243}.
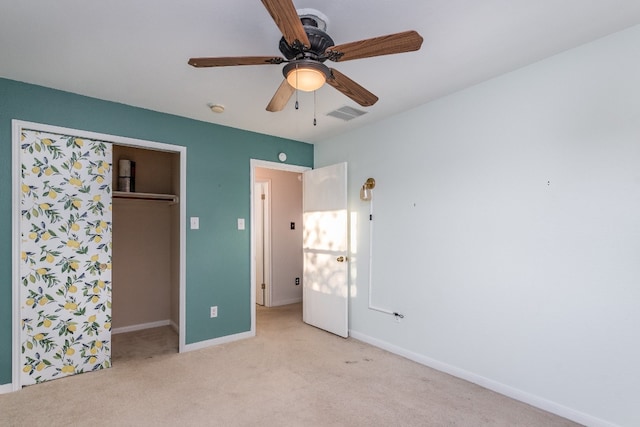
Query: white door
{"x": 324, "y": 247}
{"x": 262, "y": 242}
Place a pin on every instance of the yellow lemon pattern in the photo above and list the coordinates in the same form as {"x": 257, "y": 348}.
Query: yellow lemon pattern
{"x": 65, "y": 295}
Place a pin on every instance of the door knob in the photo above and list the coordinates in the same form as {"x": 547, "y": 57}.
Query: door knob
{"x": 341, "y": 259}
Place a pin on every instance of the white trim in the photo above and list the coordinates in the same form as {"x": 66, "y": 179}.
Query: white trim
{"x": 17, "y": 126}
{"x": 6, "y": 388}
{"x": 175, "y": 327}
{"x": 255, "y": 163}
{"x": 140, "y": 326}
{"x": 514, "y": 393}
{"x": 217, "y": 341}
{"x": 182, "y": 327}
{"x": 15, "y": 248}
{"x": 287, "y": 302}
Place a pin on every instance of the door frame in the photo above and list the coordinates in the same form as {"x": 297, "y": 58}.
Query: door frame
{"x": 255, "y": 163}
{"x": 17, "y": 126}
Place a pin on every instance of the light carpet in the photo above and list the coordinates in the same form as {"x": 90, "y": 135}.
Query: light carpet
{"x": 290, "y": 374}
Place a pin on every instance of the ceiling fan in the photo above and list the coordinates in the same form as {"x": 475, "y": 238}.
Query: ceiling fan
{"x": 306, "y": 46}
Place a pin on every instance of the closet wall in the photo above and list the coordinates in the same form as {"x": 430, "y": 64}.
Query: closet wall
{"x": 146, "y": 243}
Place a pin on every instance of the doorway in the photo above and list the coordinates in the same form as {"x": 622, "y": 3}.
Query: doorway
{"x": 284, "y": 230}
{"x": 319, "y": 248}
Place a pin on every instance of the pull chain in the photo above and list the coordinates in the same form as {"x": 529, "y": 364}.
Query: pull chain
{"x": 314, "y": 107}
{"x": 297, "y": 106}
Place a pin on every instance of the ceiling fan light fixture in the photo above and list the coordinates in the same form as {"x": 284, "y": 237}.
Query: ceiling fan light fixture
{"x": 306, "y": 75}
{"x": 306, "y": 79}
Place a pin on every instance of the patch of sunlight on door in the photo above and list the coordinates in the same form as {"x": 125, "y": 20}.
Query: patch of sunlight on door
{"x": 323, "y": 242}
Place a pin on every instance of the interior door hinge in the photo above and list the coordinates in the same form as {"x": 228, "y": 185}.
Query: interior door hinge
{"x": 262, "y": 196}
{"x": 264, "y": 286}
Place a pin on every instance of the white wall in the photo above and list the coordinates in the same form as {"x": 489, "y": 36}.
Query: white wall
{"x": 507, "y": 231}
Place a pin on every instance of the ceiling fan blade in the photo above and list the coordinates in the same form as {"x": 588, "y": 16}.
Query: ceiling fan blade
{"x": 231, "y": 60}
{"x": 286, "y": 18}
{"x": 281, "y": 97}
{"x": 351, "y": 89}
{"x": 384, "y": 45}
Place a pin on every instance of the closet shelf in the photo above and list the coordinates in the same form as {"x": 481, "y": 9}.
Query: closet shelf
{"x": 145, "y": 196}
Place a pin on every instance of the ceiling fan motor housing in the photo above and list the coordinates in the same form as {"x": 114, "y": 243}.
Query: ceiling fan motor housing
{"x": 318, "y": 39}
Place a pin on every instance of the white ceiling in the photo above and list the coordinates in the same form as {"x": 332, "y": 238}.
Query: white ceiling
{"x": 135, "y": 52}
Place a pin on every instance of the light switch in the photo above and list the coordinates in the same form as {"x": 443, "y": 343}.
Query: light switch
{"x": 240, "y": 223}
{"x": 195, "y": 222}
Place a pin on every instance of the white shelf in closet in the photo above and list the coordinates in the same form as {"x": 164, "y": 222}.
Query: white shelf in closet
{"x": 145, "y": 196}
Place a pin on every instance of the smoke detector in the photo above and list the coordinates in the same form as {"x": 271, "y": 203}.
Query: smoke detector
{"x": 216, "y": 108}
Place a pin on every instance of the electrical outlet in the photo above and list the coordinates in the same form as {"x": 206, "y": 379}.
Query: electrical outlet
{"x": 214, "y": 311}
{"x": 297, "y": 281}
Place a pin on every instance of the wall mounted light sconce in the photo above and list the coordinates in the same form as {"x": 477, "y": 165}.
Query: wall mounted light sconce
{"x": 365, "y": 191}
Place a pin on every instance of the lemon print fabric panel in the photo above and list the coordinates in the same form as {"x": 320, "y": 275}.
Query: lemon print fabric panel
{"x": 65, "y": 255}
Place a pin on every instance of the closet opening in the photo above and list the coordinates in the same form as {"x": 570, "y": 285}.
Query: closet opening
{"x": 146, "y": 253}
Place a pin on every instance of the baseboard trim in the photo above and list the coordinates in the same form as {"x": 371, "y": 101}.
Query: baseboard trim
{"x": 6, "y": 388}
{"x": 174, "y": 326}
{"x": 217, "y": 341}
{"x": 140, "y": 327}
{"x": 522, "y": 396}
{"x": 286, "y": 302}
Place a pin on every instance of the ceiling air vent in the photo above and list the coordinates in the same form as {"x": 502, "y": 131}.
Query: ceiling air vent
{"x": 346, "y": 113}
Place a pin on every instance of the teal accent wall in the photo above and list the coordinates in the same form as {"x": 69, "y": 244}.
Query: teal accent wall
{"x": 218, "y": 191}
